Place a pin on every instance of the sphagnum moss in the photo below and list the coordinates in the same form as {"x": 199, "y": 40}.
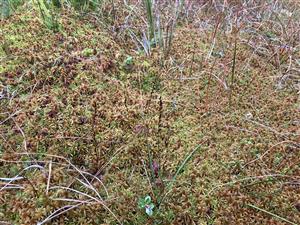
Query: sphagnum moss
{"x": 94, "y": 131}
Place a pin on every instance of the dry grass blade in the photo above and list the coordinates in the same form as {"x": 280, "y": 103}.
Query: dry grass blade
{"x": 17, "y": 177}
{"x": 271, "y": 214}
{"x": 248, "y": 179}
{"x": 99, "y": 201}
{"x": 59, "y": 212}
{"x": 49, "y": 177}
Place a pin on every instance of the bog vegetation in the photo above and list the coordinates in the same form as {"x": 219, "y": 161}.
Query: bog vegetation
{"x": 149, "y": 112}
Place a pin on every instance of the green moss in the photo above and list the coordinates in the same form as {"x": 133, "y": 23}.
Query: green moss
{"x": 2, "y": 69}
{"x": 151, "y": 82}
{"x": 182, "y": 126}
{"x": 15, "y": 40}
{"x": 87, "y": 52}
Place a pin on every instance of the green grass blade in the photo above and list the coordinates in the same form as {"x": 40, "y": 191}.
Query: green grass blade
{"x": 180, "y": 168}
{"x": 185, "y": 161}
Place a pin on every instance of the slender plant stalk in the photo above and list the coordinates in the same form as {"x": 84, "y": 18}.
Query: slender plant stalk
{"x": 234, "y": 62}
{"x": 149, "y": 9}
{"x": 193, "y": 59}
{"x": 233, "y": 67}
